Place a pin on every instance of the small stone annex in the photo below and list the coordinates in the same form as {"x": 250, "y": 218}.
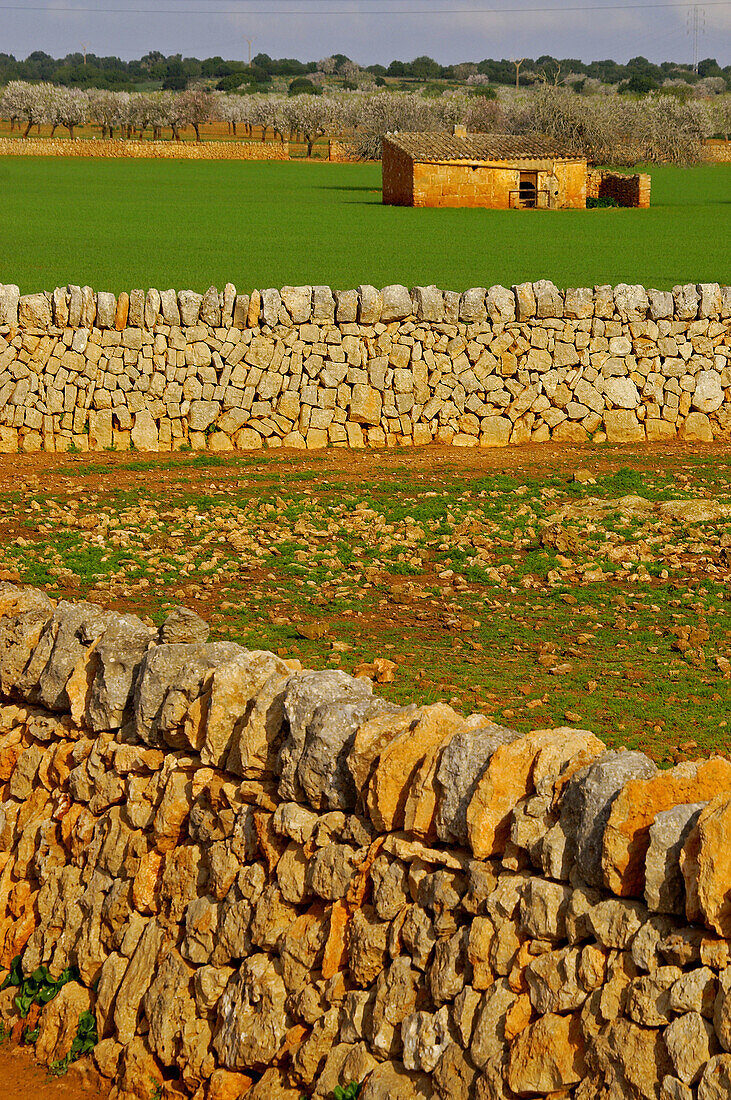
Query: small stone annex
{"x": 500, "y": 171}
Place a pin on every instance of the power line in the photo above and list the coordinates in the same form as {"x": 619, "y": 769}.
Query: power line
{"x": 53, "y": 9}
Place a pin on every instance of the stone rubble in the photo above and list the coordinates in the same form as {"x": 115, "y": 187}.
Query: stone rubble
{"x": 272, "y": 882}
{"x": 308, "y": 367}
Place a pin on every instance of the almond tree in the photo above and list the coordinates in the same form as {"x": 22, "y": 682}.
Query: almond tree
{"x": 142, "y": 112}
{"x": 68, "y": 107}
{"x": 32, "y": 101}
{"x": 172, "y": 112}
{"x": 12, "y": 101}
{"x": 109, "y": 109}
{"x": 196, "y": 106}
{"x": 313, "y": 116}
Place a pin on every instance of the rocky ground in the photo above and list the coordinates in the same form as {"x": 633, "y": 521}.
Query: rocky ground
{"x": 539, "y": 585}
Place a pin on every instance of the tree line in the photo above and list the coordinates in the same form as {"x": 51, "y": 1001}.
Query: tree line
{"x": 609, "y": 129}
{"x": 176, "y": 72}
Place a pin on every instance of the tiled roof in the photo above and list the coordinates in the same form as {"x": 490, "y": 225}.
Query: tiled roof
{"x": 437, "y": 147}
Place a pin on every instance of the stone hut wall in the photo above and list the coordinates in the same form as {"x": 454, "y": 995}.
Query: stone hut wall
{"x": 625, "y": 190}
{"x": 561, "y": 184}
{"x": 273, "y": 882}
{"x": 177, "y": 150}
{"x": 309, "y": 367}
{"x": 397, "y": 174}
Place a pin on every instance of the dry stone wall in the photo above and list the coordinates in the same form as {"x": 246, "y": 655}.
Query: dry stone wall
{"x": 273, "y": 882}
{"x": 311, "y": 367}
{"x": 626, "y": 190}
{"x": 158, "y": 150}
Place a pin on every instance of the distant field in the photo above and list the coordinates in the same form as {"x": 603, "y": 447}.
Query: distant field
{"x": 121, "y": 224}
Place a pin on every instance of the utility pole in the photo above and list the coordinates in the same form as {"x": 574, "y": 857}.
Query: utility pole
{"x": 249, "y": 40}
{"x": 517, "y": 62}
{"x": 696, "y": 28}
{"x": 84, "y": 48}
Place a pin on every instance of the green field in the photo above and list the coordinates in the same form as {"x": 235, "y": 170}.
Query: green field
{"x": 121, "y": 224}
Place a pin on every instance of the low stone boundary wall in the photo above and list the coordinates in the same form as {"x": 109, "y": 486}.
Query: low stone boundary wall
{"x": 271, "y": 881}
{"x": 178, "y": 150}
{"x": 343, "y": 152}
{"x": 625, "y": 190}
{"x": 309, "y": 367}
{"x": 717, "y": 150}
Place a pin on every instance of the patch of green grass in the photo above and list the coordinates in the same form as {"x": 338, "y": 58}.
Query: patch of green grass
{"x": 269, "y": 224}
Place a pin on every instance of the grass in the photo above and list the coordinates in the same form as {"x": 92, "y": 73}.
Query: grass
{"x": 522, "y": 594}
{"x": 120, "y": 224}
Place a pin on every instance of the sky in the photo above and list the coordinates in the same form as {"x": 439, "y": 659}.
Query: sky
{"x": 368, "y": 31}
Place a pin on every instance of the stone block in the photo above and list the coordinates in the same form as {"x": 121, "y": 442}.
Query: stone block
{"x": 622, "y": 426}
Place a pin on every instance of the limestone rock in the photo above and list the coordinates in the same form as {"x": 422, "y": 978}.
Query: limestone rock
{"x": 391, "y": 1081}
{"x": 400, "y": 759}
{"x": 136, "y": 981}
{"x": 615, "y": 922}
{"x": 34, "y": 311}
{"x": 549, "y": 301}
{"x": 715, "y": 1083}
{"x": 488, "y": 1037}
{"x": 305, "y": 692}
{"x": 461, "y": 764}
{"x": 543, "y": 909}
{"x": 369, "y": 305}
{"x": 691, "y": 1042}
{"x": 454, "y": 1076}
{"x": 711, "y": 836}
{"x": 673, "y": 1088}
{"x": 508, "y": 777}
{"x": 24, "y": 614}
{"x": 106, "y": 309}
{"x": 525, "y": 301}
{"x": 630, "y": 1058}
{"x": 626, "y": 835}
{"x": 500, "y": 304}
{"x": 252, "y": 1021}
{"x": 664, "y": 883}
{"x": 210, "y": 312}
{"x": 425, "y": 1037}
{"x": 695, "y": 991}
{"x": 297, "y": 300}
{"x": 70, "y": 632}
{"x": 396, "y": 303}
{"x": 696, "y": 428}
{"x": 59, "y": 1022}
{"x": 118, "y": 656}
{"x": 233, "y": 687}
{"x": 708, "y": 395}
{"x": 322, "y": 771}
{"x": 547, "y": 1056}
{"x": 144, "y": 432}
{"x": 183, "y": 625}
{"x": 367, "y": 944}
{"x": 587, "y": 803}
{"x": 170, "y": 678}
{"x": 622, "y": 426}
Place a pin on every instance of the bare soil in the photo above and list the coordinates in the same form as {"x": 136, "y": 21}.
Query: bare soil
{"x": 22, "y": 1078}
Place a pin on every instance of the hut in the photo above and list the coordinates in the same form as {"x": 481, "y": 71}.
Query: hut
{"x": 499, "y": 171}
